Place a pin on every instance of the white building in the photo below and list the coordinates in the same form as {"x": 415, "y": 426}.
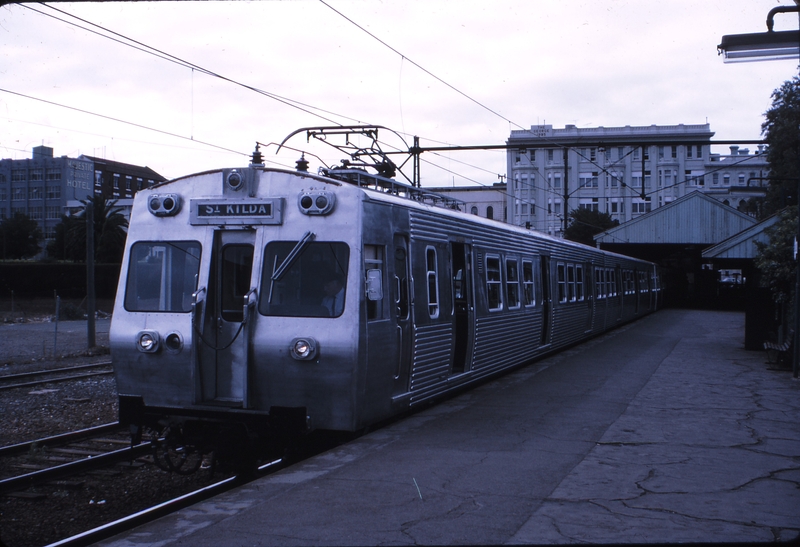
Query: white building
{"x": 624, "y": 171}
{"x": 484, "y": 201}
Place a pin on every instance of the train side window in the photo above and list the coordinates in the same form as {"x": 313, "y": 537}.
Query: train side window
{"x": 373, "y": 262}
{"x": 512, "y": 283}
{"x": 571, "y": 295}
{"x": 162, "y": 276}
{"x": 528, "y": 293}
{"x": 494, "y": 293}
{"x": 561, "y": 279}
{"x": 433, "y": 282}
{"x": 599, "y": 283}
{"x": 579, "y": 292}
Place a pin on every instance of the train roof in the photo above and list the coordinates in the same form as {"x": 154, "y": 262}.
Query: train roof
{"x": 387, "y": 190}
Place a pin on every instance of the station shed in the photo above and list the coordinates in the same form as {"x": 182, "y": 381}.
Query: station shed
{"x": 675, "y": 236}
{"x": 762, "y": 314}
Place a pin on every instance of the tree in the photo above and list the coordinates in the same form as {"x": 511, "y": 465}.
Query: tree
{"x": 585, "y": 223}
{"x": 20, "y": 236}
{"x": 780, "y": 130}
{"x": 775, "y": 259}
{"x": 109, "y": 233}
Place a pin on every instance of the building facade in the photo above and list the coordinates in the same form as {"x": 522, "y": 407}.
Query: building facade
{"x": 623, "y": 171}
{"x": 45, "y": 187}
{"x": 485, "y": 201}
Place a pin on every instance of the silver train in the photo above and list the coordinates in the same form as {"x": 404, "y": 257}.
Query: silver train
{"x": 256, "y": 303}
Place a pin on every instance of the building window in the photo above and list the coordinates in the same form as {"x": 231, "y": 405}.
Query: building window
{"x": 35, "y": 192}
{"x": 3, "y": 194}
{"x": 699, "y": 151}
{"x": 726, "y": 179}
{"x": 474, "y": 210}
{"x": 36, "y": 213}
{"x": 18, "y": 194}
{"x": 674, "y": 152}
{"x": 53, "y": 212}
{"x": 689, "y": 151}
{"x": 37, "y": 175}
{"x": 128, "y": 180}
{"x": 53, "y": 192}
{"x": 18, "y": 175}
{"x": 638, "y": 206}
{"x": 741, "y": 179}
{"x": 53, "y": 174}
{"x": 550, "y": 155}
{"x": 116, "y": 181}
{"x": 588, "y": 180}
{"x": 490, "y": 212}
{"x": 715, "y": 178}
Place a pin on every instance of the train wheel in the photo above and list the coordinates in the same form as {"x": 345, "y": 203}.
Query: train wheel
{"x": 173, "y": 456}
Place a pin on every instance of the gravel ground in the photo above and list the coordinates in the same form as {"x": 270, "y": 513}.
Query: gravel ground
{"x": 31, "y": 413}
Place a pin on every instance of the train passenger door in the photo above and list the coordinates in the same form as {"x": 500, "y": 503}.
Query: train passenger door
{"x": 463, "y": 306}
{"x": 547, "y": 299}
{"x": 223, "y": 356}
{"x": 401, "y": 294}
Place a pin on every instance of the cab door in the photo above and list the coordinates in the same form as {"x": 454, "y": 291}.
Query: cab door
{"x": 222, "y": 351}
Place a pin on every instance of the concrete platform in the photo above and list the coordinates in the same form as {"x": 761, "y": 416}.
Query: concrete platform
{"x": 665, "y": 430}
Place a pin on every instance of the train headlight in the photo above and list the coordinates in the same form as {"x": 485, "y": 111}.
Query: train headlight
{"x": 303, "y": 349}
{"x": 148, "y": 341}
{"x": 164, "y": 205}
{"x": 316, "y": 202}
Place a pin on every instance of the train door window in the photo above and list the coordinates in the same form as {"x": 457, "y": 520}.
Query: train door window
{"x": 512, "y": 283}
{"x": 237, "y": 263}
{"x": 162, "y": 276}
{"x": 571, "y": 294}
{"x": 579, "y": 282}
{"x": 528, "y": 293}
{"x": 612, "y": 283}
{"x": 561, "y": 280}
{"x": 433, "y": 282}
{"x": 304, "y": 279}
{"x": 373, "y": 262}
{"x": 494, "y": 293}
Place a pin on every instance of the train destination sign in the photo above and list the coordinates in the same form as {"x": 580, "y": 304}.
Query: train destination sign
{"x": 237, "y": 211}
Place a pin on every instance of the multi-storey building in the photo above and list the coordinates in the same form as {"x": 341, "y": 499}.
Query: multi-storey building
{"x": 624, "y": 171}
{"x": 45, "y": 187}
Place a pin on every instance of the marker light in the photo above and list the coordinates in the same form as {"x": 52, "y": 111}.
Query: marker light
{"x": 316, "y": 202}
{"x": 303, "y": 349}
{"x": 164, "y": 205}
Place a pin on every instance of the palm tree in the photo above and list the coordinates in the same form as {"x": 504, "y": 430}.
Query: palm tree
{"x": 110, "y": 231}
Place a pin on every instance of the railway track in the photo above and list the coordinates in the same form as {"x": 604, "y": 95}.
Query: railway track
{"x": 61, "y": 456}
{"x": 157, "y": 511}
{"x": 63, "y": 374}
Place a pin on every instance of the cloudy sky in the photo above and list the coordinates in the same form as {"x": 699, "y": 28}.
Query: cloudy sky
{"x": 453, "y": 72}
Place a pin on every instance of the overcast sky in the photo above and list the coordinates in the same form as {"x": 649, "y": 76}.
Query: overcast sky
{"x": 489, "y": 67}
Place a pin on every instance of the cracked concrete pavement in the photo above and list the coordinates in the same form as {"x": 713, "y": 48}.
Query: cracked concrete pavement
{"x": 663, "y": 431}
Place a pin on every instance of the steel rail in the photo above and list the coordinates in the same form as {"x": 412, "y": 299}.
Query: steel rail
{"x": 60, "y": 439}
{"x": 110, "y": 529}
{"x": 56, "y": 379}
{"x": 27, "y": 480}
{"x": 35, "y": 373}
